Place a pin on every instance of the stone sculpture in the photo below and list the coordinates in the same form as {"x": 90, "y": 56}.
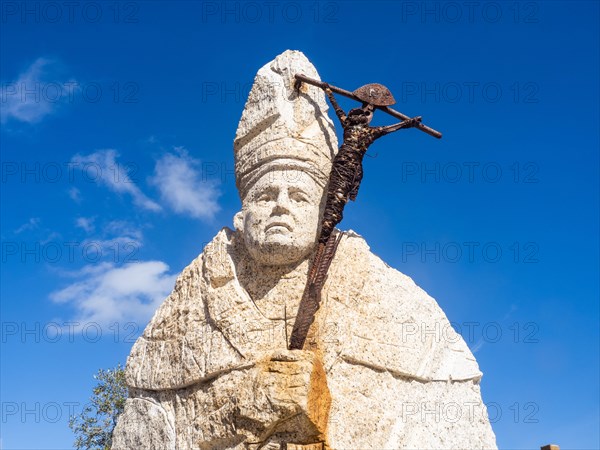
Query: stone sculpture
{"x": 381, "y": 368}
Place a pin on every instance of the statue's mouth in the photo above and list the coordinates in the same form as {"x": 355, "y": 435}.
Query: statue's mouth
{"x": 276, "y": 225}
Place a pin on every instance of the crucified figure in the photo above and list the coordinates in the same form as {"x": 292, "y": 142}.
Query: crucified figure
{"x": 347, "y": 171}
{"x": 344, "y": 181}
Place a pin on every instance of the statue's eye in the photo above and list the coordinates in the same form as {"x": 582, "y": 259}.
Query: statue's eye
{"x": 265, "y": 196}
{"x": 299, "y": 196}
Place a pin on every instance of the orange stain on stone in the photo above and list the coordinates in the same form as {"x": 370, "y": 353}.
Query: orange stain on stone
{"x": 319, "y": 398}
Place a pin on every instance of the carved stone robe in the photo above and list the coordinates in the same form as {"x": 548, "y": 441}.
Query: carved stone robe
{"x": 391, "y": 371}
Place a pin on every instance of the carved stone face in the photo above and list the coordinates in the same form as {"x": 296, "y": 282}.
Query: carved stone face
{"x": 280, "y": 217}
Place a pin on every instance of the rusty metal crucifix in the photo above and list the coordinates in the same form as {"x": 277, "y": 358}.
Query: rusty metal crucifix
{"x": 344, "y": 181}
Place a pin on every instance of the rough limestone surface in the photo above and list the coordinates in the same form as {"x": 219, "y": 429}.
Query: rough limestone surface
{"x": 280, "y": 124}
{"x": 382, "y": 367}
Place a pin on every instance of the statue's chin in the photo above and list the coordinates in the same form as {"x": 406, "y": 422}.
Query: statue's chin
{"x": 277, "y": 252}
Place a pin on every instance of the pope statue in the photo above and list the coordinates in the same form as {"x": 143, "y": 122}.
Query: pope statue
{"x": 381, "y": 368}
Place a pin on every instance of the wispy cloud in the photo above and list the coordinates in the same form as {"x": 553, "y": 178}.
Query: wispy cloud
{"x": 35, "y": 94}
{"x": 481, "y": 341}
{"x": 33, "y": 229}
{"x": 85, "y": 223}
{"x": 31, "y": 224}
{"x": 118, "y": 240}
{"x": 114, "y": 286}
{"x": 122, "y": 229}
{"x": 104, "y": 293}
{"x": 478, "y": 345}
{"x": 114, "y": 175}
{"x": 181, "y": 187}
{"x": 75, "y": 194}
{"x": 510, "y": 312}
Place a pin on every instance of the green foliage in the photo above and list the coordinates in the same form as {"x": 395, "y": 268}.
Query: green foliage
{"x": 94, "y": 426}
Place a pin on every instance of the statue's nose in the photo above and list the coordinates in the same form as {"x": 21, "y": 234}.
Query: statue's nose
{"x": 282, "y": 205}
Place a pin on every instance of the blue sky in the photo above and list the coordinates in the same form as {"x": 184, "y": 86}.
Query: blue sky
{"x": 117, "y": 123}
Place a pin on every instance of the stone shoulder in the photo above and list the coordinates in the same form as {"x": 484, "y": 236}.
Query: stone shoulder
{"x": 392, "y": 324}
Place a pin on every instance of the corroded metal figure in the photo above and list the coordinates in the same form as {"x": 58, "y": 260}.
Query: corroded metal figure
{"x": 347, "y": 171}
{"x": 344, "y": 182}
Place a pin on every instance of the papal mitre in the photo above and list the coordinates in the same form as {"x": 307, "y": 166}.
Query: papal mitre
{"x": 282, "y": 126}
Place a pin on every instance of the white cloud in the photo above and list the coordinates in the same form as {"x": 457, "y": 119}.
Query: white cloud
{"x": 86, "y": 223}
{"x": 52, "y": 236}
{"x": 481, "y": 342}
{"x": 33, "y": 96}
{"x": 75, "y": 194}
{"x": 104, "y": 166}
{"x": 478, "y": 346}
{"x": 119, "y": 241}
{"x": 31, "y": 224}
{"x": 104, "y": 293}
{"x": 182, "y": 188}
{"x": 122, "y": 229}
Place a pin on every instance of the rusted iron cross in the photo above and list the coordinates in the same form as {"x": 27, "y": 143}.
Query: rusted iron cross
{"x": 344, "y": 181}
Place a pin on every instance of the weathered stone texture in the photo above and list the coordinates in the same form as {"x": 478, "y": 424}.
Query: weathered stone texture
{"x": 382, "y": 367}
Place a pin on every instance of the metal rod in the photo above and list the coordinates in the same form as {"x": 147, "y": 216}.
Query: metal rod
{"x": 386, "y": 109}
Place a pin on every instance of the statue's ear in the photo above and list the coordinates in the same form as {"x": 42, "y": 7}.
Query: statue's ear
{"x": 238, "y": 221}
